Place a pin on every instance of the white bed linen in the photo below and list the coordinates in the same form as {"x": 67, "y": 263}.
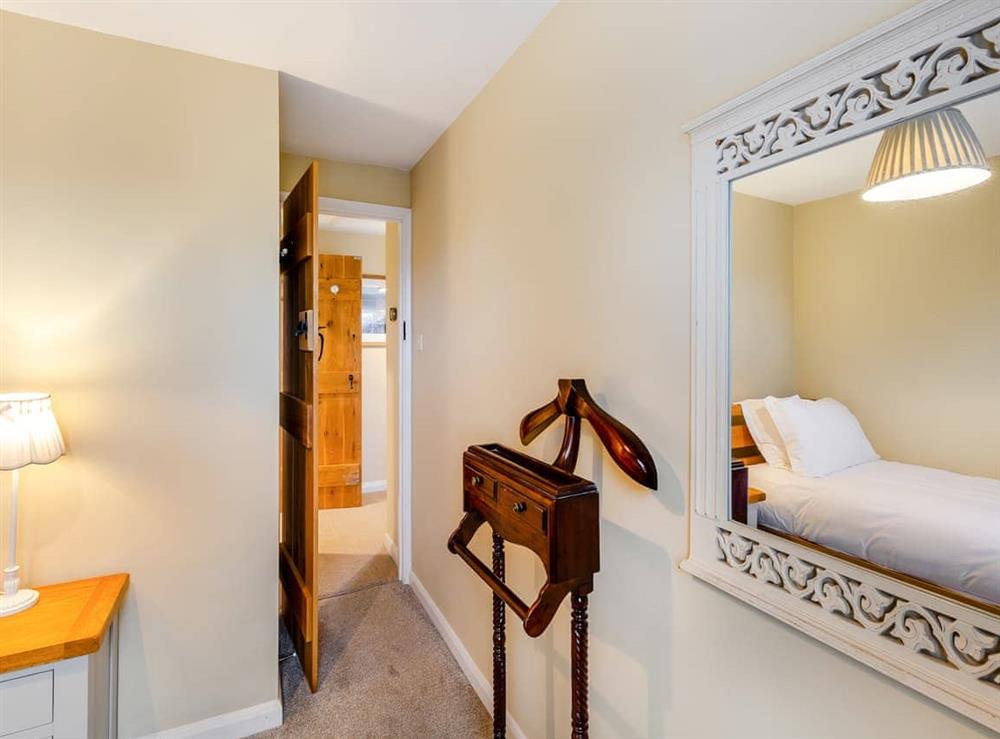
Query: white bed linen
{"x": 936, "y": 525}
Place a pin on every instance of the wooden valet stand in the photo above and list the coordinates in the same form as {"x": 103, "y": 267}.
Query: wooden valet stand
{"x": 550, "y": 510}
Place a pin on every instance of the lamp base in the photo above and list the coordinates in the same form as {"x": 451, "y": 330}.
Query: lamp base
{"x": 19, "y": 601}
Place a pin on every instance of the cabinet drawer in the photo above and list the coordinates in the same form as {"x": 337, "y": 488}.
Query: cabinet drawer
{"x": 479, "y": 483}
{"x": 521, "y": 509}
{"x": 25, "y": 702}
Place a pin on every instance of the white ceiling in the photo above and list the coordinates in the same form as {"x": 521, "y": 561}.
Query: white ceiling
{"x": 844, "y": 168}
{"x": 343, "y": 224}
{"x": 368, "y": 82}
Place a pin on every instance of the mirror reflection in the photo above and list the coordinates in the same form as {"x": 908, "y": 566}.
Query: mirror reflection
{"x": 865, "y": 371}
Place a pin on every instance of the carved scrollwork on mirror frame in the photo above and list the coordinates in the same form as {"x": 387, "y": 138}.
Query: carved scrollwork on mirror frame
{"x": 945, "y": 66}
{"x": 971, "y": 650}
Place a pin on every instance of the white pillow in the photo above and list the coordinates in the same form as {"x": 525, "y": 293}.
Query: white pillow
{"x": 765, "y": 434}
{"x": 821, "y": 436}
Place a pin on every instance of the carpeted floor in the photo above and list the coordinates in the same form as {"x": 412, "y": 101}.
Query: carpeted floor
{"x": 384, "y": 671}
{"x": 358, "y": 530}
{"x": 346, "y": 573}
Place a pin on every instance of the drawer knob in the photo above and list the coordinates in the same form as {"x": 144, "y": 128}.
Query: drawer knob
{"x": 476, "y": 481}
{"x": 520, "y": 507}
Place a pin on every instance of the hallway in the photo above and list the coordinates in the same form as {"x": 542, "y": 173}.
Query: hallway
{"x": 385, "y": 672}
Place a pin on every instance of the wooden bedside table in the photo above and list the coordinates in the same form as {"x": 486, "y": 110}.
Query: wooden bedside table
{"x": 59, "y": 662}
{"x": 744, "y": 498}
{"x": 754, "y": 496}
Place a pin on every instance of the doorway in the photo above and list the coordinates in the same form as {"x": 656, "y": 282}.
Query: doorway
{"x": 396, "y": 268}
{"x": 320, "y": 412}
{"x": 358, "y": 301}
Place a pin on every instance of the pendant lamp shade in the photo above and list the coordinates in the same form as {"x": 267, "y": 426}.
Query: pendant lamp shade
{"x": 29, "y": 433}
{"x": 932, "y": 154}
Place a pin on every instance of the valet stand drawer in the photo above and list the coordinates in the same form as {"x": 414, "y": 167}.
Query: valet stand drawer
{"x": 479, "y": 483}
{"x": 521, "y": 510}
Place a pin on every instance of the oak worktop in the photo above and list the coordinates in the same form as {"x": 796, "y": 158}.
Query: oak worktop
{"x": 69, "y": 620}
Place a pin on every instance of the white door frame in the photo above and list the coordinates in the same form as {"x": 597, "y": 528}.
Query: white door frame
{"x": 356, "y": 209}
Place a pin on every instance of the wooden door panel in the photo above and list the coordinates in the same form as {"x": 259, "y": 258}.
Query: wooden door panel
{"x": 340, "y": 496}
{"x": 297, "y": 599}
{"x": 296, "y": 418}
{"x": 297, "y": 239}
{"x": 338, "y": 419}
{"x": 344, "y": 287}
{"x": 339, "y": 474}
{"x": 339, "y": 381}
{"x": 298, "y": 548}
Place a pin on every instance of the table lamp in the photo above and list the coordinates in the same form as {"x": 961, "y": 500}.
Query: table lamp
{"x": 29, "y": 434}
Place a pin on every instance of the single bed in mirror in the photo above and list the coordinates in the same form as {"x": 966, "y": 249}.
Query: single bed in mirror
{"x": 937, "y": 528}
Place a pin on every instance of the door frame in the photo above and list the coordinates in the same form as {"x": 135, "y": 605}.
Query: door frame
{"x": 404, "y": 473}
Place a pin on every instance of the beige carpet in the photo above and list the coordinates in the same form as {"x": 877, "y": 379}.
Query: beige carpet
{"x": 384, "y": 671}
{"x": 352, "y": 548}
{"x": 358, "y": 530}
{"x": 346, "y": 573}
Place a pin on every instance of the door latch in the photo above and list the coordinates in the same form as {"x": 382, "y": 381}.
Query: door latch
{"x": 305, "y": 331}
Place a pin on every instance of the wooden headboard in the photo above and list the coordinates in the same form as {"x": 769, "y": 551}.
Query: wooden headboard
{"x": 743, "y": 448}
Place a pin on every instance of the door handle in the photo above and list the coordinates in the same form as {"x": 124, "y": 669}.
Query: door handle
{"x": 304, "y": 331}
{"x": 350, "y": 379}
{"x": 322, "y": 344}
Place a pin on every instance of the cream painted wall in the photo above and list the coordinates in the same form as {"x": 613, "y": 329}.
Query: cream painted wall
{"x": 371, "y": 249}
{"x": 552, "y": 239}
{"x": 762, "y": 345}
{"x": 366, "y": 183}
{"x": 897, "y": 313}
{"x": 373, "y": 416}
{"x": 140, "y": 287}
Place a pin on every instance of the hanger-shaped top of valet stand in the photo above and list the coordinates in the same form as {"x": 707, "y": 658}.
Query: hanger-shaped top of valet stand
{"x": 574, "y": 570}
{"x": 575, "y": 402}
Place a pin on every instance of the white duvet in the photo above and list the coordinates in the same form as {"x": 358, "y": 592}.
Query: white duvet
{"x": 935, "y": 525}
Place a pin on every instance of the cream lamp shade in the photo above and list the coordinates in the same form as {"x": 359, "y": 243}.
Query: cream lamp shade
{"x": 29, "y": 433}
{"x": 932, "y": 154}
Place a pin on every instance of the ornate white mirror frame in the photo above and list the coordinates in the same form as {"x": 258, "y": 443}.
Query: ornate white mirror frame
{"x": 937, "y": 54}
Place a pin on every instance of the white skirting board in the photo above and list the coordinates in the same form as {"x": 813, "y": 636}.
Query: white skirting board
{"x": 374, "y": 486}
{"x": 234, "y": 725}
{"x": 476, "y": 678}
{"x": 390, "y": 546}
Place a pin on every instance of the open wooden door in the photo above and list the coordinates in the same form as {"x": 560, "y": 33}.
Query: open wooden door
{"x": 338, "y": 421}
{"x": 298, "y": 546}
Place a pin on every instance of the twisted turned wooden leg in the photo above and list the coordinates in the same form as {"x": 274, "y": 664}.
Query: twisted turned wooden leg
{"x": 499, "y": 646}
{"x": 579, "y": 665}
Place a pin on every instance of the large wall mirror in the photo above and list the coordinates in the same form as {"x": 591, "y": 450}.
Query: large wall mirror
{"x": 846, "y": 372}
{"x": 865, "y": 350}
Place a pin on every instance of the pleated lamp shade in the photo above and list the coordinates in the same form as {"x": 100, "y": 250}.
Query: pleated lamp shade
{"x": 29, "y": 433}
{"x": 929, "y": 155}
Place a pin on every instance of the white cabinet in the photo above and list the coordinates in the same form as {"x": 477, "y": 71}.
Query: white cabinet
{"x": 70, "y": 699}
{"x": 26, "y": 702}
{"x": 59, "y": 662}
{"x": 73, "y": 698}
